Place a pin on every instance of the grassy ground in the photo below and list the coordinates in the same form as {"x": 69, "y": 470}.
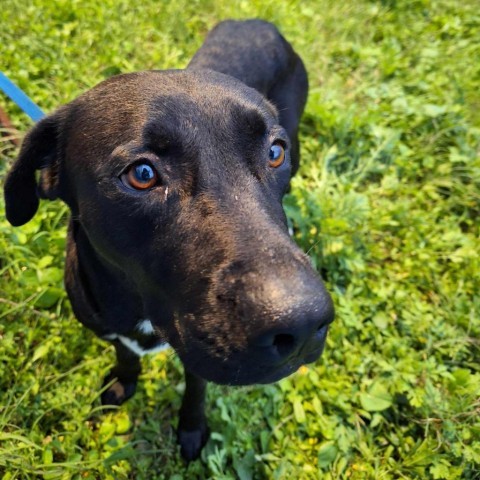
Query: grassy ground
{"x": 386, "y": 203}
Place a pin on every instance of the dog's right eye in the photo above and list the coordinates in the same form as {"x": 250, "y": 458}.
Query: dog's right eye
{"x": 276, "y": 155}
{"x": 140, "y": 176}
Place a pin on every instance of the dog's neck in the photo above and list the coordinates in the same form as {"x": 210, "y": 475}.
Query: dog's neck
{"x": 98, "y": 289}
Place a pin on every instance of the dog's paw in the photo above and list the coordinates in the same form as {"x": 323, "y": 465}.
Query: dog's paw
{"x": 191, "y": 442}
{"x": 118, "y": 392}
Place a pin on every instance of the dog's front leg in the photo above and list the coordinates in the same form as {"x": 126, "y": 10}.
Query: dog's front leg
{"x": 125, "y": 373}
{"x": 192, "y": 425}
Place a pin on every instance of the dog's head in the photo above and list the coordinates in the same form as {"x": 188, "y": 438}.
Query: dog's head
{"x": 177, "y": 180}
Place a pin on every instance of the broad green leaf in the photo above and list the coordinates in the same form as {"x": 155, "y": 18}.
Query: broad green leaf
{"x": 299, "y": 411}
{"x": 376, "y": 399}
{"x": 326, "y": 454}
{"x": 49, "y": 297}
{"x": 41, "y": 351}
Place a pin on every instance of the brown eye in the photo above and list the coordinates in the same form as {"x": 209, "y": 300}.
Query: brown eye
{"x": 140, "y": 177}
{"x": 276, "y": 155}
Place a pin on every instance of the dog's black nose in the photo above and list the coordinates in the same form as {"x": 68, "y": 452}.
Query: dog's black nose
{"x": 299, "y": 333}
{"x": 282, "y": 312}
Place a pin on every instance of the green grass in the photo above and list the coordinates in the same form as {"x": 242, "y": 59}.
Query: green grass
{"x": 387, "y": 204}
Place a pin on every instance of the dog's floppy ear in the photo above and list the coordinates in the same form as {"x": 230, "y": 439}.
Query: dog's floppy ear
{"x": 39, "y": 152}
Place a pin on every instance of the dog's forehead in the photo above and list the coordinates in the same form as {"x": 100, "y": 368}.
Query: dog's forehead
{"x": 127, "y": 103}
{"x": 195, "y": 112}
{"x": 209, "y": 119}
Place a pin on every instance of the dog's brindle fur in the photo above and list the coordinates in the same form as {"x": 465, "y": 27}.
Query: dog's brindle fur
{"x": 202, "y": 260}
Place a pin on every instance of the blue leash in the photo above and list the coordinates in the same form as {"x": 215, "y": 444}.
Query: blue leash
{"x": 20, "y": 98}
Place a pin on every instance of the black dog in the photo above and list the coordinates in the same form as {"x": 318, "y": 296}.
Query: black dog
{"x": 175, "y": 182}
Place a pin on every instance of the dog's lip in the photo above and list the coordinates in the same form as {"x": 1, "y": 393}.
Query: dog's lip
{"x": 283, "y": 372}
{"x": 260, "y": 373}
{"x": 258, "y": 377}
{"x": 313, "y": 356}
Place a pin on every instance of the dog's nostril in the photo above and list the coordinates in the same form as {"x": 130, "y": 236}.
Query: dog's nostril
{"x": 284, "y": 343}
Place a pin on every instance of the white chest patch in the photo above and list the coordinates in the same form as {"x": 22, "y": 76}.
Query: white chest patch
{"x": 136, "y": 348}
{"x": 146, "y": 328}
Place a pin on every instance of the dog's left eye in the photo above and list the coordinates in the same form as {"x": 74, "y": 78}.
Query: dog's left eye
{"x": 276, "y": 155}
{"x": 140, "y": 176}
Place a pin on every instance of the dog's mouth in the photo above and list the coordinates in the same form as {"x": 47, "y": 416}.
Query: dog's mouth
{"x": 231, "y": 373}
{"x": 242, "y": 367}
